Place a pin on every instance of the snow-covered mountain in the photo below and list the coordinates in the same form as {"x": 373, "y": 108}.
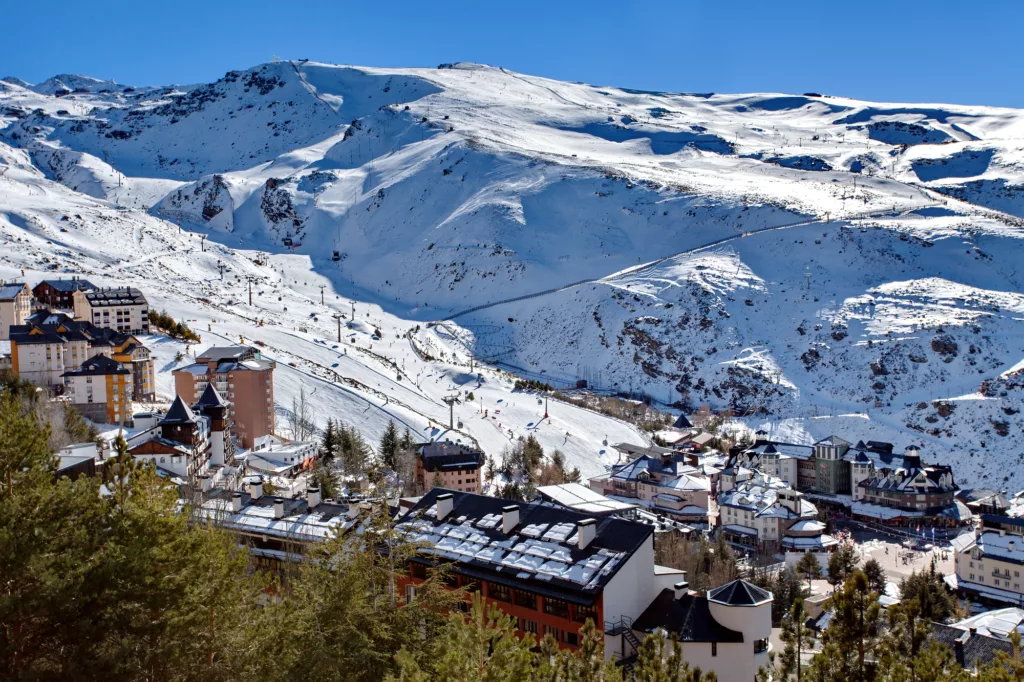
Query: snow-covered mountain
{"x": 817, "y": 264}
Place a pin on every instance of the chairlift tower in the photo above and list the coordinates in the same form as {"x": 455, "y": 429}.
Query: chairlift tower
{"x": 450, "y": 401}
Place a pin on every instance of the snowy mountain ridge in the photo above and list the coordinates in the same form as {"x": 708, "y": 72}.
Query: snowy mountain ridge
{"x": 885, "y": 303}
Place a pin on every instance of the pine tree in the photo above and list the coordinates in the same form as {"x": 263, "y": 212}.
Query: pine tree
{"x": 661, "y": 660}
{"x": 876, "y": 575}
{"x": 329, "y": 442}
{"x": 853, "y": 630}
{"x": 841, "y": 563}
{"x": 797, "y": 638}
{"x": 809, "y": 568}
{"x": 389, "y": 446}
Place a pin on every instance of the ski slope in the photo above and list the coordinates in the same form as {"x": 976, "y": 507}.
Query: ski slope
{"x": 814, "y": 263}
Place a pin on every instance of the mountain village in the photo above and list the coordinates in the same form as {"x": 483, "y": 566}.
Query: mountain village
{"x": 734, "y": 387}
{"x": 555, "y": 555}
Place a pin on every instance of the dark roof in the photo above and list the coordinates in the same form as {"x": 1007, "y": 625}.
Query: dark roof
{"x": 998, "y": 520}
{"x": 689, "y": 617}
{"x": 612, "y": 535}
{"x": 739, "y": 593}
{"x": 101, "y": 298}
{"x": 180, "y": 413}
{"x": 442, "y": 455}
{"x": 68, "y": 285}
{"x": 969, "y": 649}
{"x": 9, "y": 290}
{"x": 682, "y": 422}
{"x": 98, "y": 365}
{"x": 222, "y": 353}
{"x": 210, "y": 398}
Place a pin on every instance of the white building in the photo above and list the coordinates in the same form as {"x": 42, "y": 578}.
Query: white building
{"x": 989, "y": 560}
{"x": 759, "y": 511}
{"x": 15, "y": 306}
{"x": 124, "y": 309}
{"x": 724, "y": 630}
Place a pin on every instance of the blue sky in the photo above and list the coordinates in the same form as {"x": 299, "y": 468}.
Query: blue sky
{"x": 939, "y": 51}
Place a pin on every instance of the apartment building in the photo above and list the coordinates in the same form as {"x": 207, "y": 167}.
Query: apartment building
{"x": 15, "y": 306}
{"x": 870, "y": 480}
{"x": 664, "y": 483}
{"x": 181, "y": 443}
{"x": 60, "y": 293}
{"x": 758, "y": 512}
{"x": 101, "y": 389}
{"x": 50, "y": 344}
{"x": 989, "y": 560}
{"x": 276, "y": 531}
{"x": 551, "y": 569}
{"x": 123, "y": 309}
{"x": 448, "y": 465}
{"x": 243, "y": 378}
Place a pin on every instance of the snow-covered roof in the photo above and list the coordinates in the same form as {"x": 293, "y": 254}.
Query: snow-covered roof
{"x": 582, "y": 499}
{"x": 819, "y": 542}
{"x": 299, "y": 522}
{"x": 1007, "y": 547}
{"x": 739, "y": 530}
{"x": 998, "y": 623}
{"x": 541, "y": 550}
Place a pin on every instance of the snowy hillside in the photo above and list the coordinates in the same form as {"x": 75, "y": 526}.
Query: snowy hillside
{"x": 815, "y": 263}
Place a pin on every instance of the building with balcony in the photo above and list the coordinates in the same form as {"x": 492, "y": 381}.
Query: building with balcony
{"x": 123, "y": 309}
{"x": 665, "y": 484}
{"x": 243, "y": 378}
{"x": 181, "y": 443}
{"x": 448, "y": 465}
{"x": 758, "y": 512}
{"x": 101, "y": 389}
{"x": 60, "y": 293}
{"x": 50, "y": 344}
{"x": 989, "y": 560}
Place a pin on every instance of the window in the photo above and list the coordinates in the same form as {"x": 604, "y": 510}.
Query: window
{"x": 527, "y": 600}
{"x": 418, "y": 571}
{"x": 464, "y": 606}
{"x": 528, "y": 626}
{"x": 499, "y": 592}
{"x": 551, "y": 630}
{"x": 556, "y": 607}
{"x": 471, "y": 584}
{"x": 410, "y": 593}
{"x": 714, "y": 648}
{"x": 585, "y": 612}
{"x": 760, "y": 645}
{"x": 572, "y": 639}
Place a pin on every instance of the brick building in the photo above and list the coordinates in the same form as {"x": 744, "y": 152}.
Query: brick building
{"x": 243, "y": 378}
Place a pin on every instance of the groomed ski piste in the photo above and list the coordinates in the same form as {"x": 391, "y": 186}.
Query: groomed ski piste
{"x": 819, "y": 265}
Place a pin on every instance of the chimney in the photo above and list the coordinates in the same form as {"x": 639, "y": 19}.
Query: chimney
{"x": 256, "y": 488}
{"x": 585, "y": 532}
{"x": 236, "y": 502}
{"x": 352, "y": 511}
{"x": 313, "y": 497}
{"x": 1002, "y": 532}
{"x": 680, "y": 588}
{"x": 278, "y": 508}
{"x": 445, "y": 503}
{"x": 205, "y": 483}
{"x": 1010, "y": 545}
{"x": 509, "y": 518}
